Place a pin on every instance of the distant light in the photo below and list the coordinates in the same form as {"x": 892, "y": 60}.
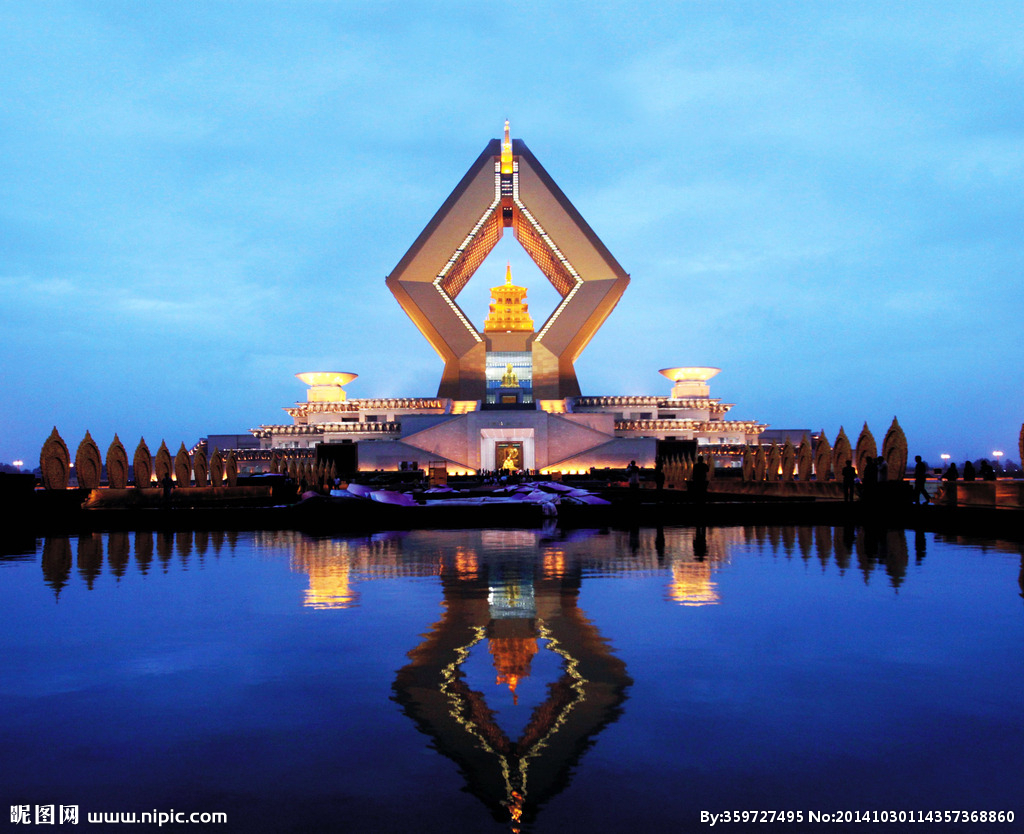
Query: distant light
{"x": 997, "y": 454}
{"x": 944, "y": 456}
{"x": 19, "y": 463}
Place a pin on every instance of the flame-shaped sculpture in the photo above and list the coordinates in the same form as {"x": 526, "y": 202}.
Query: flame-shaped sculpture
{"x": 774, "y": 462}
{"x": 183, "y": 467}
{"x": 788, "y": 460}
{"x": 804, "y": 459}
{"x": 823, "y": 458}
{"x": 866, "y": 448}
{"x": 164, "y": 464}
{"x": 117, "y": 465}
{"x": 760, "y": 464}
{"x": 88, "y": 466}
{"x": 894, "y": 450}
{"x": 231, "y": 469}
{"x": 55, "y": 462}
{"x": 841, "y": 452}
{"x": 142, "y": 464}
{"x": 200, "y": 467}
{"x": 216, "y": 468}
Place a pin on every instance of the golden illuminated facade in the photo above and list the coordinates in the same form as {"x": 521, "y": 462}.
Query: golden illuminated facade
{"x": 569, "y": 435}
{"x": 511, "y": 384}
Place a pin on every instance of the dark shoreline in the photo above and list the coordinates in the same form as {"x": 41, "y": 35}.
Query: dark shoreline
{"x": 44, "y": 513}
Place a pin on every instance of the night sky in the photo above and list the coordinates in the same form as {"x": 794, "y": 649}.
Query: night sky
{"x": 199, "y": 200}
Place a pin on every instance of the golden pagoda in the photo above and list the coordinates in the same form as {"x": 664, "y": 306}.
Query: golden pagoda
{"x": 508, "y": 309}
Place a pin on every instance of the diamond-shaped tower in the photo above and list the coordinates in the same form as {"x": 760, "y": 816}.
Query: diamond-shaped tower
{"x": 508, "y": 188}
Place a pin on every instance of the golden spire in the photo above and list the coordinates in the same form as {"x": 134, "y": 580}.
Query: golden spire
{"x": 508, "y": 274}
{"x": 506, "y": 152}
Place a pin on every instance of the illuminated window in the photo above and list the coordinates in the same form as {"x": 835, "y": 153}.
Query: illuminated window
{"x": 499, "y": 376}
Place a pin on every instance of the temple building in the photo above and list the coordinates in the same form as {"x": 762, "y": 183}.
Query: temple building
{"x": 508, "y": 396}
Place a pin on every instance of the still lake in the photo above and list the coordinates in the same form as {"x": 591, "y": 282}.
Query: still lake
{"x": 502, "y": 680}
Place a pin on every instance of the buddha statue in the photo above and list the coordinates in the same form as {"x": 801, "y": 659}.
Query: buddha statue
{"x": 509, "y": 380}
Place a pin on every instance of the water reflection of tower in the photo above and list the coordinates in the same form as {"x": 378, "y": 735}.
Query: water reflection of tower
{"x": 520, "y": 610}
{"x": 56, "y": 563}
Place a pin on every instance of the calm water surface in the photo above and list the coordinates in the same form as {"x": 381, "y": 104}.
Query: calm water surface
{"x": 488, "y": 680}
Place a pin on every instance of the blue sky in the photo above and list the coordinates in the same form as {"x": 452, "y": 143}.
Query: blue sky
{"x": 199, "y": 200}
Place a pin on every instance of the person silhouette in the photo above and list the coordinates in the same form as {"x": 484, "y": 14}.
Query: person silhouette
{"x": 168, "y": 484}
{"x": 849, "y": 480}
{"x": 920, "y": 476}
{"x": 700, "y": 479}
{"x": 633, "y": 475}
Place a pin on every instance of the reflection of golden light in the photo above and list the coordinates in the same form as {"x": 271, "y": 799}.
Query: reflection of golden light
{"x": 512, "y": 659}
{"x": 466, "y": 565}
{"x": 553, "y": 406}
{"x": 554, "y": 564}
{"x": 456, "y": 708}
{"x": 691, "y": 584}
{"x": 515, "y": 808}
{"x": 329, "y": 587}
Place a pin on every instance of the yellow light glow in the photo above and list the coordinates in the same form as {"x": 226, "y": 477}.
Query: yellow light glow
{"x": 506, "y": 152}
{"x": 326, "y": 377}
{"x": 508, "y": 310}
{"x": 691, "y": 374}
{"x": 691, "y": 584}
{"x": 325, "y": 386}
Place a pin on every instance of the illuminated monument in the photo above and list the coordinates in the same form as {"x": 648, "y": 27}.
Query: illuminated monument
{"x": 506, "y": 188}
{"x": 508, "y": 397}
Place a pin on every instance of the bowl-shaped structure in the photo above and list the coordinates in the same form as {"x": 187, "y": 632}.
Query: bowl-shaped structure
{"x": 692, "y": 374}
{"x": 319, "y": 378}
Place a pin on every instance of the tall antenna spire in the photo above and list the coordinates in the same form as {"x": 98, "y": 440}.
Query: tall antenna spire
{"x": 506, "y": 152}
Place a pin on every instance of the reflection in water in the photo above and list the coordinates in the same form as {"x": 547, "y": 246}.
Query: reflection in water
{"x": 513, "y": 682}
{"x": 164, "y": 547}
{"x": 90, "y": 557}
{"x": 519, "y": 612}
{"x": 118, "y": 553}
{"x": 120, "y": 546}
{"x": 57, "y": 563}
{"x": 144, "y": 550}
{"x": 691, "y": 556}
